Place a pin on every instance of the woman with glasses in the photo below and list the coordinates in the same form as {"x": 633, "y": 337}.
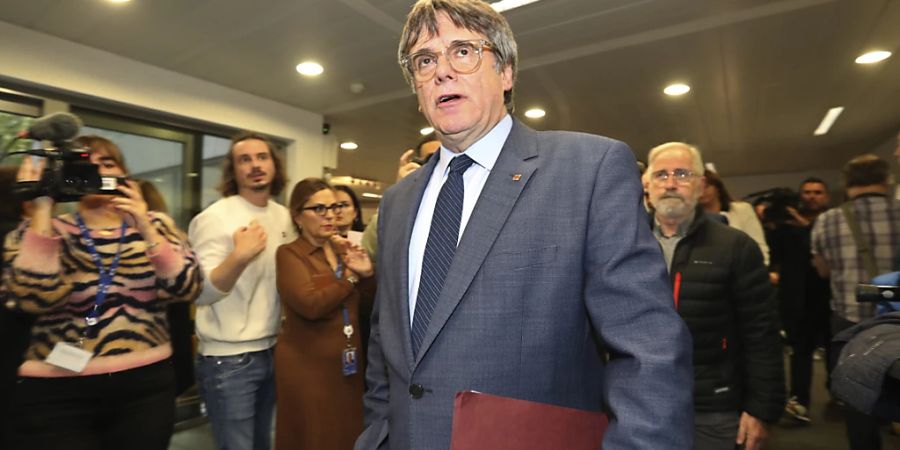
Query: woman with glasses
{"x": 349, "y": 216}
{"x": 98, "y": 371}
{"x": 318, "y": 365}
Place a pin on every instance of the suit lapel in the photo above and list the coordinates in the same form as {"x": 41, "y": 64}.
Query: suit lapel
{"x": 411, "y": 197}
{"x": 515, "y": 165}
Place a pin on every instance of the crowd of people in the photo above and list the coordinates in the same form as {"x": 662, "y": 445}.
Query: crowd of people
{"x": 505, "y": 260}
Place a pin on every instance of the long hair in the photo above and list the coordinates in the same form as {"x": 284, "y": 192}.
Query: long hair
{"x": 357, "y": 224}
{"x": 713, "y": 179}
{"x": 228, "y": 186}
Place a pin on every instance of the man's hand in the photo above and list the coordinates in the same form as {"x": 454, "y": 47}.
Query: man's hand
{"x": 752, "y": 432}
{"x": 407, "y": 165}
{"x": 249, "y": 241}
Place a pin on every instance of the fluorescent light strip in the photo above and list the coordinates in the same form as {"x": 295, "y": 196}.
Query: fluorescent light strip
{"x": 828, "y": 120}
{"x": 506, "y": 5}
{"x": 370, "y": 195}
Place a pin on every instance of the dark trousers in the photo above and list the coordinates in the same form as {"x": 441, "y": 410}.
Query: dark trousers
{"x": 132, "y": 409}
{"x": 804, "y": 334}
{"x": 863, "y": 430}
{"x": 15, "y": 333}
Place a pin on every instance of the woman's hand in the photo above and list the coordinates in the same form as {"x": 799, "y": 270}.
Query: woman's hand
{"x": 132, "y": 207}
{"x": 42, "y": 207}
{"x": 353, "y": 256}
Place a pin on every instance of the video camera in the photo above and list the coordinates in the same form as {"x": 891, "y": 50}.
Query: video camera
{"x": 777, "y": 201}
{"x": 69, "y": 173}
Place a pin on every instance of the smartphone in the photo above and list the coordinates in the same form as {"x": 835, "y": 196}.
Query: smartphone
{"x": 110, "y": 185}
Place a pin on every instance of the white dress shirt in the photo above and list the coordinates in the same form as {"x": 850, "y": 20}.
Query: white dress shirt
{"x": 484, "y": 153}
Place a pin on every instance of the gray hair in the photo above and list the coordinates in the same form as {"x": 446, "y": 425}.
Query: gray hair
{"x": 696, "y": 158}
{"x": 473, "y": 15}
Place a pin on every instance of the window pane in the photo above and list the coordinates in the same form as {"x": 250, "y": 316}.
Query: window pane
{"x": 214, "y": 150}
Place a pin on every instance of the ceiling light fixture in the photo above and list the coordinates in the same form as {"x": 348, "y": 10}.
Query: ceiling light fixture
{"x": 426, "y": 131}
{"x": 873, "y": 57}
{"x": 119, "y": 1}
{"x": 506, "y": 5}
{"x": 370, "y": 195}
{"x": 310, "y": 68}
{"x": 828, "y": 120}
{"x": 535, "y": 113}
{"x": 349, "y": 145}
{"x": 677, "y": 89}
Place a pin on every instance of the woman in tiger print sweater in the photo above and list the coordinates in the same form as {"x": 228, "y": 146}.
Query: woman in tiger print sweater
{"x": 99, "y": 281}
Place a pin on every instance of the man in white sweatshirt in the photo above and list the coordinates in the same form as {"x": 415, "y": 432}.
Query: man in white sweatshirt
{"x": 238, "y": 312}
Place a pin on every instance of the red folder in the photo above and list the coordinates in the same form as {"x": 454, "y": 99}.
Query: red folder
{"x": 489, "y": 422}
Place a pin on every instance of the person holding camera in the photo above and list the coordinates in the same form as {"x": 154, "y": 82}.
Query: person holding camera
{"x": 98, "y": 371}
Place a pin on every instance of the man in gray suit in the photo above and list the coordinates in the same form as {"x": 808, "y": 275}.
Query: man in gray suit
{"x": 516, "y": 263}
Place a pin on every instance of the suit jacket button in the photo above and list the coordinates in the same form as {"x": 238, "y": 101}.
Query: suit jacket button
{"x": 416, "y": 390}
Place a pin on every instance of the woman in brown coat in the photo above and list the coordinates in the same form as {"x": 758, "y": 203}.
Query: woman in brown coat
{"x": 318, "y": 367}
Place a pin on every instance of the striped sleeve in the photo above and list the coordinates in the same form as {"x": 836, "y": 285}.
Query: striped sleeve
{"x": 178, "y": 275}
{"x": 34, "y": 275}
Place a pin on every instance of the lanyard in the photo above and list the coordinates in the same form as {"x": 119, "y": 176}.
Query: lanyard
{"x": 106, "y": 273}
{"x": 348, "y": 327}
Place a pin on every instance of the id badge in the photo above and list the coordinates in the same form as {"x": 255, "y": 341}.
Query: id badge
{"x": 348, "y": 359}
{"x": 69, "y": 357}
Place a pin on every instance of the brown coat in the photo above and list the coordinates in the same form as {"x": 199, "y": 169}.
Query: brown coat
{"x": 318, "y": 407}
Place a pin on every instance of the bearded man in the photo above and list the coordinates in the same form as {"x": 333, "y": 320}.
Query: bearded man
{"x": 722, "y": 292}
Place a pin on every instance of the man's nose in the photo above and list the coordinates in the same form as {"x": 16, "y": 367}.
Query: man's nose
{"x": 444, "y": 70}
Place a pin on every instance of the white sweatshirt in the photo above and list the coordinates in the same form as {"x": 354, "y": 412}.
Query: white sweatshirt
{"x": 247, "y": 318}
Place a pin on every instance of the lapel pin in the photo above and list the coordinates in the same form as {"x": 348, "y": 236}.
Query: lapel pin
{"x": 517, "y": 176}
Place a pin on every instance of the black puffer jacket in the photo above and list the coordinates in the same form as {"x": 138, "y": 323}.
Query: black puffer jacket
{"x": 726, "y": 300}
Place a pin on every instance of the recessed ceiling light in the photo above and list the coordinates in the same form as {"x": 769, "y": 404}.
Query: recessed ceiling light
{"x": 426, "y": 131}
{"x": 677, "y": 89}
{"x": 118, "y": 1}
{"x": 506, "y": 5}
{"x": 535, "y": 113}
{"x": 349, "y": 145}
{"x": 828, "y": 120}
{"x": 310, "y": 68}
{"x": 873, "y": 57}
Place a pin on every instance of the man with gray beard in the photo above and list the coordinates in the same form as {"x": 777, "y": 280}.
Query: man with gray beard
{"x": 722, "y": 292}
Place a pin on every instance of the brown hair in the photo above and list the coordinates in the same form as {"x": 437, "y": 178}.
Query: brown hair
{"x": 228, "y": 186}
{"x": 474, "y": 15}
{"x": 155, "y": 200}
{"x": 303, "y": 190}
{"x": 866, "y": 170}
{"x": 106, "y": 147}
{"x": 713, "y": 179}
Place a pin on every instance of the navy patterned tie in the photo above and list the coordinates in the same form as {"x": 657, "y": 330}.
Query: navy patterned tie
{"x": 441, "y": 246}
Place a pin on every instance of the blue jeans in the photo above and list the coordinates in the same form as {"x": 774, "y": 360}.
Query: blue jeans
{"x": 239, "y": 392}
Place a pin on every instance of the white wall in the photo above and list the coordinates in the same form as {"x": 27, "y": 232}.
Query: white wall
{"x": 49, "y": 61}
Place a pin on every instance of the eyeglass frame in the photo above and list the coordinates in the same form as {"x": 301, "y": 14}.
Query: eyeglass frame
{"x": 485, "y": 44}
{"x": 335, "y": 208}
{"x": 655, "y": 177}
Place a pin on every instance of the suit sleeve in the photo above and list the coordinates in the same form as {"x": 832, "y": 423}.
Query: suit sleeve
{"x": 648, "y": 384}
{"x": 375, "y": 434}
{"x": 310, "y": 295}
{"x": 760, "y": 349}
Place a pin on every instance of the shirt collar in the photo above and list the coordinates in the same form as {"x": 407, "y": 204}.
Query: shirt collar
{"x": 485, "y": 151}
{"x": 683, "y": 228}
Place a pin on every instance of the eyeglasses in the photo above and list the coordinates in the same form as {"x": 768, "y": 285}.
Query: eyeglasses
{"x": 344, "y": 205}
{"x": 464, "y": 57}
{"x": 681, "y": 176}
{"x": 321, "y": 209}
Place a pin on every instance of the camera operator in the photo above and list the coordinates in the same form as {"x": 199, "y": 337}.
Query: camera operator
{"x": 802, "y": 294}
{"x": 98, "y": 371}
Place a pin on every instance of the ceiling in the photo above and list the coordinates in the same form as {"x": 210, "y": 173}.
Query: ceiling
{"x": 763, "y": 73}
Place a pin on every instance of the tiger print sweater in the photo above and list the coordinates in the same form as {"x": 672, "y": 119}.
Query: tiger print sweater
{"x": 55, "y": 278}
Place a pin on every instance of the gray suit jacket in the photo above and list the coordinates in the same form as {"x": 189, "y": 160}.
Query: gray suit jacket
{"x": 556, "y": 267}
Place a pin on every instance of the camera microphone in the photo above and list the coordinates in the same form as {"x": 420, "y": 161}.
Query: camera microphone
{"x": 54, "y": 127}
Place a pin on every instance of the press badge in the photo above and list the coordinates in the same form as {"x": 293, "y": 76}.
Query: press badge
{"x": 348, "y": 357}
{"x": 69, "y": 357}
